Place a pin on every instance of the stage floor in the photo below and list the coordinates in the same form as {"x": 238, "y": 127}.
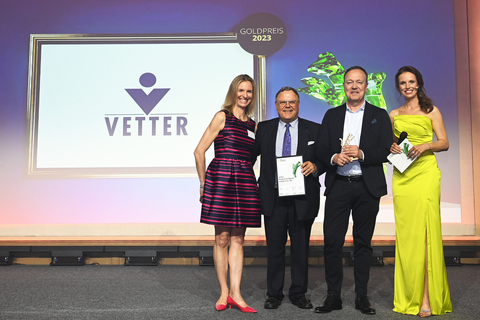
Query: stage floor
{"x": 190, "y": 292}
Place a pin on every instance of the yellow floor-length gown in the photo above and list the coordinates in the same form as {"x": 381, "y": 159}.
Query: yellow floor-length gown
{"x": 416, "y": 194}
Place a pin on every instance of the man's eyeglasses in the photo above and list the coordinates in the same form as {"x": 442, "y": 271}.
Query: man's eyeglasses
{"x": 285, "y": 102}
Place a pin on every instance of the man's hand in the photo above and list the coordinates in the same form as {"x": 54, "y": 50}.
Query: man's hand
{"x": 308, "y": 168}
{"x": 353, "y": 152}
{"x": 341, "y": 159}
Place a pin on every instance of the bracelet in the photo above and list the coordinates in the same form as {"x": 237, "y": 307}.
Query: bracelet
{"x": 201, "y": 187}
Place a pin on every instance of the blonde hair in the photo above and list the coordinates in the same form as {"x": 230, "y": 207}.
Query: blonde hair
{"x": 231, "y": 98}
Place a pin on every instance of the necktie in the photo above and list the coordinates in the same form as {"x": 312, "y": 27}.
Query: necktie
{"x": 287, "y": 142}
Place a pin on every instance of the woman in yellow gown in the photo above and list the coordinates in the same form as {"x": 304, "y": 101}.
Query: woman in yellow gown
{"x": 421, "y": 285}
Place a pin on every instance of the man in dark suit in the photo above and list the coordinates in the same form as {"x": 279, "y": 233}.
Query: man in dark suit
{"x": 284, "y": 136}
{"x": 354, "y": 143}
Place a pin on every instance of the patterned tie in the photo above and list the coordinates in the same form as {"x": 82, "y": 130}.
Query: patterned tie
{"x": 287, "y": 142}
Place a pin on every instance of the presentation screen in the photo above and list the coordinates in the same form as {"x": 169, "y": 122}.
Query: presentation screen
{"x": 126, "y": 105}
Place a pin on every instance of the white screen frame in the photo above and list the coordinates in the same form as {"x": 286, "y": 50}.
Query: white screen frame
{"x": 67, "y": 69}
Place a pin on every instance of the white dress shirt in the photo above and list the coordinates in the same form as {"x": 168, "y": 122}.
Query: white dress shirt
{"x": 352, "y": 125}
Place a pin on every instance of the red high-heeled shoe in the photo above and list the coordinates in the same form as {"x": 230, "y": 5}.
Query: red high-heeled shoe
{"x": 231, "y": 302}
{"x": 220, "y": 307}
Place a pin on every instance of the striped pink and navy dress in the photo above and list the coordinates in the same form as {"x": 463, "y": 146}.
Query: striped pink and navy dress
{"x": 230, "y": 195}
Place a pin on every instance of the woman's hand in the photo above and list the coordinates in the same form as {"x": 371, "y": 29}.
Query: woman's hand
{"x": 217, "y": 124}
{"x": 395, "y": 148}
{"x": 416, "y": 151}
{"x": 201, "y": 194}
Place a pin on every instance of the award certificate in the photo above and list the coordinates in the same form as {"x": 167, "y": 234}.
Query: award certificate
{"x": 400, "y": 160}
{"x": 290, "y": 179}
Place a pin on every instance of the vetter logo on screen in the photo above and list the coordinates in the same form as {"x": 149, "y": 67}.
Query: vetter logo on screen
{"x": 147, "y": 102}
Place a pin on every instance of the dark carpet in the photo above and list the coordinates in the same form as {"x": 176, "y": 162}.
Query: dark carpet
{"x": 190, "y": 292}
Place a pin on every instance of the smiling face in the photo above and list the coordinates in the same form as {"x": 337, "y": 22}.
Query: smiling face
{"x": 355, "y": 86}
{"x": 244, "y": 94}
{"x": 407, "y": 85}
{"x": 287, "y": 105}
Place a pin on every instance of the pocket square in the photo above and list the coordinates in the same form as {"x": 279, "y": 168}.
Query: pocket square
{"x": 374, "y": 121}
{"x": 311, "y": 142}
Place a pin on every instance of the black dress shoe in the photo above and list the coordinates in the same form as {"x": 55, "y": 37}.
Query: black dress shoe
{"x": 303, "y": 303}
{"x": 331, "y": 303}
{"x": 272, "y": 303}
{"x": 362, "y": 304}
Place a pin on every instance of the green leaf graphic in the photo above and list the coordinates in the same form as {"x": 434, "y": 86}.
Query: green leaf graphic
{"x": 405, "y": 148}
{"x": 328, "y": 65}
{"x": 295, "y": 167}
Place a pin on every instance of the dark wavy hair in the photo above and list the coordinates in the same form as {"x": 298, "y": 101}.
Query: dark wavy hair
{"x": 231, "y": 98}
{"x": 425, "y": 102}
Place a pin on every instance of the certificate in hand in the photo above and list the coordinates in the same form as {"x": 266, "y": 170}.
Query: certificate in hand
{"x": 400, "y": 160}
{"x": 291, "y": 181}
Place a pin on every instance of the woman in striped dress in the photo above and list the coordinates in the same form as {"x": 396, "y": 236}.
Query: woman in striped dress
{"x": 228, "y": 188}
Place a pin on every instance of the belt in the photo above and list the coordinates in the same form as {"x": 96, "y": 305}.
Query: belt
{"x": 349, "y": 178}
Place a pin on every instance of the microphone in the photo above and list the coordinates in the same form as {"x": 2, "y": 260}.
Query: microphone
{"x": 402, "y": 137}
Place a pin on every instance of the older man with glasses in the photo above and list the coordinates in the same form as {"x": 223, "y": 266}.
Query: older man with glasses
{"x": 288, "y": 135}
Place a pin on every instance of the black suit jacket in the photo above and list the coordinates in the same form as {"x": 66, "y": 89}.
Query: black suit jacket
{"x": 375, "y": 141}
{"x": 307, "y": 206}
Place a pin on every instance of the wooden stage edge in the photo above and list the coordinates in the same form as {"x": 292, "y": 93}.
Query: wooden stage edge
{"x": 197, "y": 241}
